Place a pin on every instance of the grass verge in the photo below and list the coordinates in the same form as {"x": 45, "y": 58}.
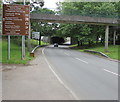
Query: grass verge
{"x": 113, "y": 51}
{"x": 15, "y": 54}
{"x": 36, "y": 42}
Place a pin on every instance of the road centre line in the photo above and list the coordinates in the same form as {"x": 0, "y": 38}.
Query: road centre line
{"x": 111, "y": 72}
{"x": 67, "y": 54}
{"x": 51, "y": 68}
{"x": 76, "y": 58}
{"x": 81, "y": 60}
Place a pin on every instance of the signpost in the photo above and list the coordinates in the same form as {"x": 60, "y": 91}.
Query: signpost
{"x": 16, "y": 22}
{"x": 36, "y": 35}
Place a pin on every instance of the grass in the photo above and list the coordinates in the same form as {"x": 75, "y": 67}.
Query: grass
{"x": 75, "y": 45}
{"x": 15, "y": 54}
{"x": 36, "y": 42}
{"x": 113, "y": 51}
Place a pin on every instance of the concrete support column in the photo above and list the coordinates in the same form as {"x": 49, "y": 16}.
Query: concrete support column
{"x": 106, "y": 38}
{"x": 114, "y": 38}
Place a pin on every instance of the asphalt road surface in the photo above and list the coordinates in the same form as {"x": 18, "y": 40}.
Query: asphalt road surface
{"x": 87, "y": 76}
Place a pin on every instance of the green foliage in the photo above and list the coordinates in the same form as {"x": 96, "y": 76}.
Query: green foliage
{"x": 97, "y": 9}
{"x": 43, "y": 11}
{"x": 15, "y": 54}
{"x": 84, "y": 32}
{"x": 45, "y": 29}
{"x": 112, "y": 53}
{"x": 36, "y": 42}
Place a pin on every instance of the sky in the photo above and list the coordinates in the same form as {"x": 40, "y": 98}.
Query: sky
{"x": 51, "y": 4}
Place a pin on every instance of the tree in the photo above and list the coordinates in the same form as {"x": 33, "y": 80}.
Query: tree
{"x": 45, "y": 28}
{"x": 86, "y": 32}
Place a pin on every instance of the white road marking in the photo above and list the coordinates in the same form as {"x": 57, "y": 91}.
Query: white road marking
{"x": 81, "y": 60}
{"x": 51, "y": 68}
{"x": 111, "y": 72}
{"x": 67, "y": 54}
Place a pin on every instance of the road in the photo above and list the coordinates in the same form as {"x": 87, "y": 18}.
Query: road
{"x": 87, "y": 76}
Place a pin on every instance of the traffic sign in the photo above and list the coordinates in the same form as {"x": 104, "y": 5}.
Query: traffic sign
{"x": 15, "y": 19}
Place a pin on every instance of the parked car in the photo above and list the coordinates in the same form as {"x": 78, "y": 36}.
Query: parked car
{"x": 56, "y": 45}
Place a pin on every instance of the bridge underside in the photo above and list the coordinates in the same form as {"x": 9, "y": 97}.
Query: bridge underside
{"x": 78, "y": 20}
{"x": 73, "y": 19}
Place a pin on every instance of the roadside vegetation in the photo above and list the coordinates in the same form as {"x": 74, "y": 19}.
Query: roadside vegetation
{"x": 36, "y": 42}
{"x": 16, "y": 52}
{"x": 113, "y": 50}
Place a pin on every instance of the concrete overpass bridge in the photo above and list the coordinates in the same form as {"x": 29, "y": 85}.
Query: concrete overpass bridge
{"x": 74, "y": 19}
{"x": 78, "y": 20}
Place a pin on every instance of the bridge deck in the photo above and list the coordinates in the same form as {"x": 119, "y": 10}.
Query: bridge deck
{"x": 74, "y": 19}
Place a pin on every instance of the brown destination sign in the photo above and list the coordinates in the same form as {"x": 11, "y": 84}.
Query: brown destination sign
{"x": 15, "y": 19}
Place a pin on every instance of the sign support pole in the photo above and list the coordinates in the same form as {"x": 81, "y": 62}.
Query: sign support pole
{"x": 23, "y": 47}
{"x": 8, "y": 47}
{"x": 23, "y": 44}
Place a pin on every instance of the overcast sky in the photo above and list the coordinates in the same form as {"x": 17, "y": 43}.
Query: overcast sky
{"x": 51, "y": 4}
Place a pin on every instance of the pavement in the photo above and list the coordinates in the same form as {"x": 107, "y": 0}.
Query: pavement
{"x": 35, "y": 81}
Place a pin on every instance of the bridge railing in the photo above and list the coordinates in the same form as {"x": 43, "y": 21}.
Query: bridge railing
{"x": 93, "y": 15}
{"x": 115, "y": 15}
